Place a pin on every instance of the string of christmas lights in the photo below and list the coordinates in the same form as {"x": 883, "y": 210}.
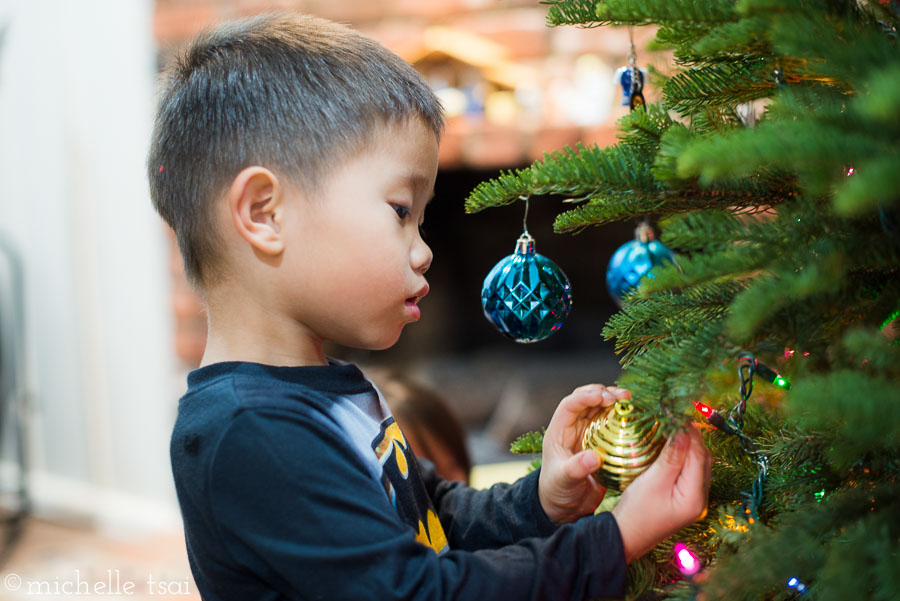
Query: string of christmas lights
{"x": 733, "y": 424}
{"x": 685, "y": 559}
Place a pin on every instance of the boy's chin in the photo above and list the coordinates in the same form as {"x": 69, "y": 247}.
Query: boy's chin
{"x": 381, "y": 344}
{"x": 385, "y": 345}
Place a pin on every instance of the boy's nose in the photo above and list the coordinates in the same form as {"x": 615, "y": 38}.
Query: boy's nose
{"x": 420, "y": 257}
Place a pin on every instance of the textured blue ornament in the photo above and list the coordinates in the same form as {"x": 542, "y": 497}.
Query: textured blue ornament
{"x": 526, "y": 295}
{"x": 633, "y": 260}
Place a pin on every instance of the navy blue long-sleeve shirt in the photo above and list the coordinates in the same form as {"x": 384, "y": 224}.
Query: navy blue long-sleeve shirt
{"x": 295, "y": 483}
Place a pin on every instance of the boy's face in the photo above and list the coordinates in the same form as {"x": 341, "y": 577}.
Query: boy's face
{"x": 354, "y": 257}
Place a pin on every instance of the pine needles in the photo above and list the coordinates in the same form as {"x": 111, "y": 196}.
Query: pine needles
{"x": 788, "y": 247}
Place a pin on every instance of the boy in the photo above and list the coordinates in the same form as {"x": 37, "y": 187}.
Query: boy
{"x": 294, "y": 158}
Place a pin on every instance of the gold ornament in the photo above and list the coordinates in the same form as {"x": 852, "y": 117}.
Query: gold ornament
{"x": 625, "y": 442}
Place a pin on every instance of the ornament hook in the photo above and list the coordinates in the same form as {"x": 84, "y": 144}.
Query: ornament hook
{"x": 525, "y": 218}
{"x": 525, "y": 243}
{"x": 643, "y": 232}
{"x": 632, "y": 55}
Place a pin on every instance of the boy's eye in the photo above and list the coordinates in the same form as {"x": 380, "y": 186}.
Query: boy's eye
{"x": 402, "y": 212}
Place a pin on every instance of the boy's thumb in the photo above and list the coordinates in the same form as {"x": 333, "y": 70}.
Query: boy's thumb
{"x": 583, "y": 464}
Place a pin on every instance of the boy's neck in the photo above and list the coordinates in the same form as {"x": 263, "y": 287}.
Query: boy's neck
{"x": 240, "y": 329}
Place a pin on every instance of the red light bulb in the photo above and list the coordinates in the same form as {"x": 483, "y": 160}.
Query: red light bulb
{"x": 704, "y": 409}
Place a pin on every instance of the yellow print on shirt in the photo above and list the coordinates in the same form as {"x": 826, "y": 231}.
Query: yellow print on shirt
{"x": 407, "y": 494}
{"x": 434, "y": 537}
{"x": 393, "y": 443}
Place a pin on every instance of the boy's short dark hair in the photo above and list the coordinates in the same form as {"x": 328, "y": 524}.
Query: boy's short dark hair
{"x": 293, "y": 93}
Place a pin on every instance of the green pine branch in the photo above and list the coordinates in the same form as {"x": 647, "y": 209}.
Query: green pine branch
{"x": 616, "y": 206}
{"x": 592, "y": 13}
{"x": 528, "y": 443}
{"x": 648, "y": 12}
{"x": 581, "y": 173}
{"x": 862, "y": 429}
{"x": 720, "y": 83}
{"x": 648, "y": 321}
{"x": 666, "y": 377}
{"x": 584, "y": 172}
{"x": 710, "y": 230}
{"x": 745, "y": 36}
{"x": 819, "y": 535}
{"x": 581, "y": 13}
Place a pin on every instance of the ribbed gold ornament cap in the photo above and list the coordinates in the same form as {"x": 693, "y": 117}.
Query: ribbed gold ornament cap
{"x": 627, "y": 444}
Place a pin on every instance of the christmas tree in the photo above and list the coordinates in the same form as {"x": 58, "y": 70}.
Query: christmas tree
{"x": 785, "y": 228}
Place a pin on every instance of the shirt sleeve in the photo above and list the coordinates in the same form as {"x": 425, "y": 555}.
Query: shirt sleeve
{"x": 295, "y": 507}
{"x": 486, "y": 519}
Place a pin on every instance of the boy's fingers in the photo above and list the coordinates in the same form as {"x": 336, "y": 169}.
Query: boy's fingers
{"x": 589, "y": 388}
{"x": 591, "y": 395}
{"x": 614, "y": 390}
{"x": 619, "y": 394}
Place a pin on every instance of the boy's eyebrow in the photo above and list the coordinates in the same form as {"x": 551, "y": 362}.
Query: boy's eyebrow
{"x": 417, "y": 181}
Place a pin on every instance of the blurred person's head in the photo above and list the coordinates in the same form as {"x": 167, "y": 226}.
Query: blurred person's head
{"x": 295, "y": 96}
{"x": 428, "y": 424}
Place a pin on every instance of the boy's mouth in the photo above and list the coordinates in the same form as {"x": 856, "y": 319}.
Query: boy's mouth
{"x": 414, "y": 300}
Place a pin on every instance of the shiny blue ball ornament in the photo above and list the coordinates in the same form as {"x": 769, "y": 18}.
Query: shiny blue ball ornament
{"x": 526, "y": 295}
{"x": 633, "y": 260}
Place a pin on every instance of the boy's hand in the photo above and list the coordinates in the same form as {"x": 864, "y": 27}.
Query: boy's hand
{"x": 566, "y": 488}
{"x": 671, "y": 494}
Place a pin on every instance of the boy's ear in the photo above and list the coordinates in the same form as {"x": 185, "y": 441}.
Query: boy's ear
{"x": 256, "y": 205}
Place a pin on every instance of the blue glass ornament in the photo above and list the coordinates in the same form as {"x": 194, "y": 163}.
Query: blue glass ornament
{"x": 633, "y": 260}
{"x": 526, "y": 295}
